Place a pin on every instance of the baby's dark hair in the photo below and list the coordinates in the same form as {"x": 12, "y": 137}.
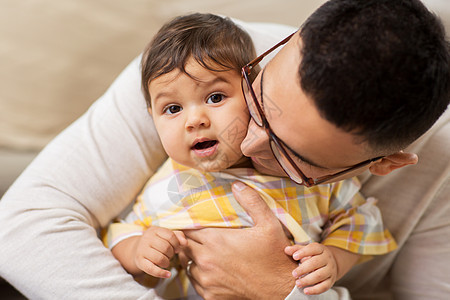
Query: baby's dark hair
{"x": 216, "y": 43}
{"x": 377, "y": 68}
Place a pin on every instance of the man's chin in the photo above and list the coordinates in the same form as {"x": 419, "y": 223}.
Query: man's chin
{"x": 273, "y": 169}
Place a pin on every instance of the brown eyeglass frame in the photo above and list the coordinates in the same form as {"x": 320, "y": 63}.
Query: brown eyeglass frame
{"x": 279, "y": 144}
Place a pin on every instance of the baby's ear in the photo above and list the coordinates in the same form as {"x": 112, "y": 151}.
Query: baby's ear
{"x": 392, "y": 162}
{"x": 149, "y": 110}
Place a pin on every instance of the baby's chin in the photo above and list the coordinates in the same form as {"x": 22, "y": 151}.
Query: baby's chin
{"x": 221, "y": 162}
{"x": 212, "y": 166}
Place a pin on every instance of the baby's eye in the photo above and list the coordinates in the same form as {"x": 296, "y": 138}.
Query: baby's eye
{"x": 172, "y": 109}
{"x": 215, "y": 98}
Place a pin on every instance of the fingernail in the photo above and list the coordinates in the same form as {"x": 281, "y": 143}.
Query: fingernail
{"x": 294, "y": 274}
{"x": 296, "y": 256}
{"x": 298, "y": 284}
{"x": 239, "y": 186}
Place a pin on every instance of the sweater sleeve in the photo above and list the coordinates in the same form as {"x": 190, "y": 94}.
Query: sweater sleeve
{"x": 81, "y": 180}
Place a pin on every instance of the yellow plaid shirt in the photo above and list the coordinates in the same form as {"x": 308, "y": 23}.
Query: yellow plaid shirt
{"x": 335, "y": 214}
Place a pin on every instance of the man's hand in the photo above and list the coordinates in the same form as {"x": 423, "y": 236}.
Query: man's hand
{"x": 241, "y": 263}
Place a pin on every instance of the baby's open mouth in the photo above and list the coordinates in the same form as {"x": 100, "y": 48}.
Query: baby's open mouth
{"x": 205, "y": 148}
{"x": 204, "y": 145}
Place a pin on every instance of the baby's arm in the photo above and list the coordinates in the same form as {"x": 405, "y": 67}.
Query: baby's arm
{"x": 320, "y": 266}
{"x": 151, "y": 252}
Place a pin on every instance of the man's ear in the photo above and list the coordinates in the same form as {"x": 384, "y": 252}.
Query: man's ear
{"x": 392, "y": 162}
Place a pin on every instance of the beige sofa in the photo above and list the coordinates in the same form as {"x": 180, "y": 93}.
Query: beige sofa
{"x": 57, "y": 57}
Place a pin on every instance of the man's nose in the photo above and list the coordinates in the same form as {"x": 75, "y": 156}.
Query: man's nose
{"x": 256, "y": 142}
{"x": 197, "y": 118}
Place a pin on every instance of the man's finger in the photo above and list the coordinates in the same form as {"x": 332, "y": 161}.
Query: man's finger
{"x": 181, "y": 237}
{"x": 197, "y": 286}
{"x": 192, "y": 248}
{"x": 198, "y": 235}
{"x": 253, "y": 204}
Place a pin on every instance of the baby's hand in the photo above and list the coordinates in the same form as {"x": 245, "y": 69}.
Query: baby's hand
{"x": 317, "y": 269}
{"x": 155, "y": 249}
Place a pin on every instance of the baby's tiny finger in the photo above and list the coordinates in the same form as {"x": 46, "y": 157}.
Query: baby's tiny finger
{"x": 171, "y": 238}
{"x": 153, "y": 270}
{"x": 289, "y": 250}
{"x": 314, "y": 278}
{"x": 319, "y": 288}
{"x": 305, "y": 259}
{"x": 296, "y": 273}
{"x": 161, "y": 273}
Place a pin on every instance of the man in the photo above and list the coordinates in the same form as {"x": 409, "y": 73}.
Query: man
{"x": 48, "y": 218}
{"x": 357, "y": 97}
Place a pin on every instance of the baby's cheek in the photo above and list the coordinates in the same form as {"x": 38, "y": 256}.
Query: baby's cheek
{"x": 235, "y": 134}
{"x": 172, "y": 148}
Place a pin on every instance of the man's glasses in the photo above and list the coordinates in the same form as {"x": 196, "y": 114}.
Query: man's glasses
{"x": 278, "y": 147}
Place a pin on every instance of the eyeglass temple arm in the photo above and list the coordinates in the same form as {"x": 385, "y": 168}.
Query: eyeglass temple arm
{"x": 257, "y": 60}
{"x": 357, "y": 166}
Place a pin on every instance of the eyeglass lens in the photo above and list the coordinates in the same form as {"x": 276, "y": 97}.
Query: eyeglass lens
{"x": 285, "y": 163}
{"x": 250, "y": 101}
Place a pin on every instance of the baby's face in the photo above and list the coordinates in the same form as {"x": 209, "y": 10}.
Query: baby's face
{"x": 201, "y": 121}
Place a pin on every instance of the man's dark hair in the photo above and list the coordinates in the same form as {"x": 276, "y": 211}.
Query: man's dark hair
{"x": 216, "y": 43}
{"x": 376, "y": 68}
